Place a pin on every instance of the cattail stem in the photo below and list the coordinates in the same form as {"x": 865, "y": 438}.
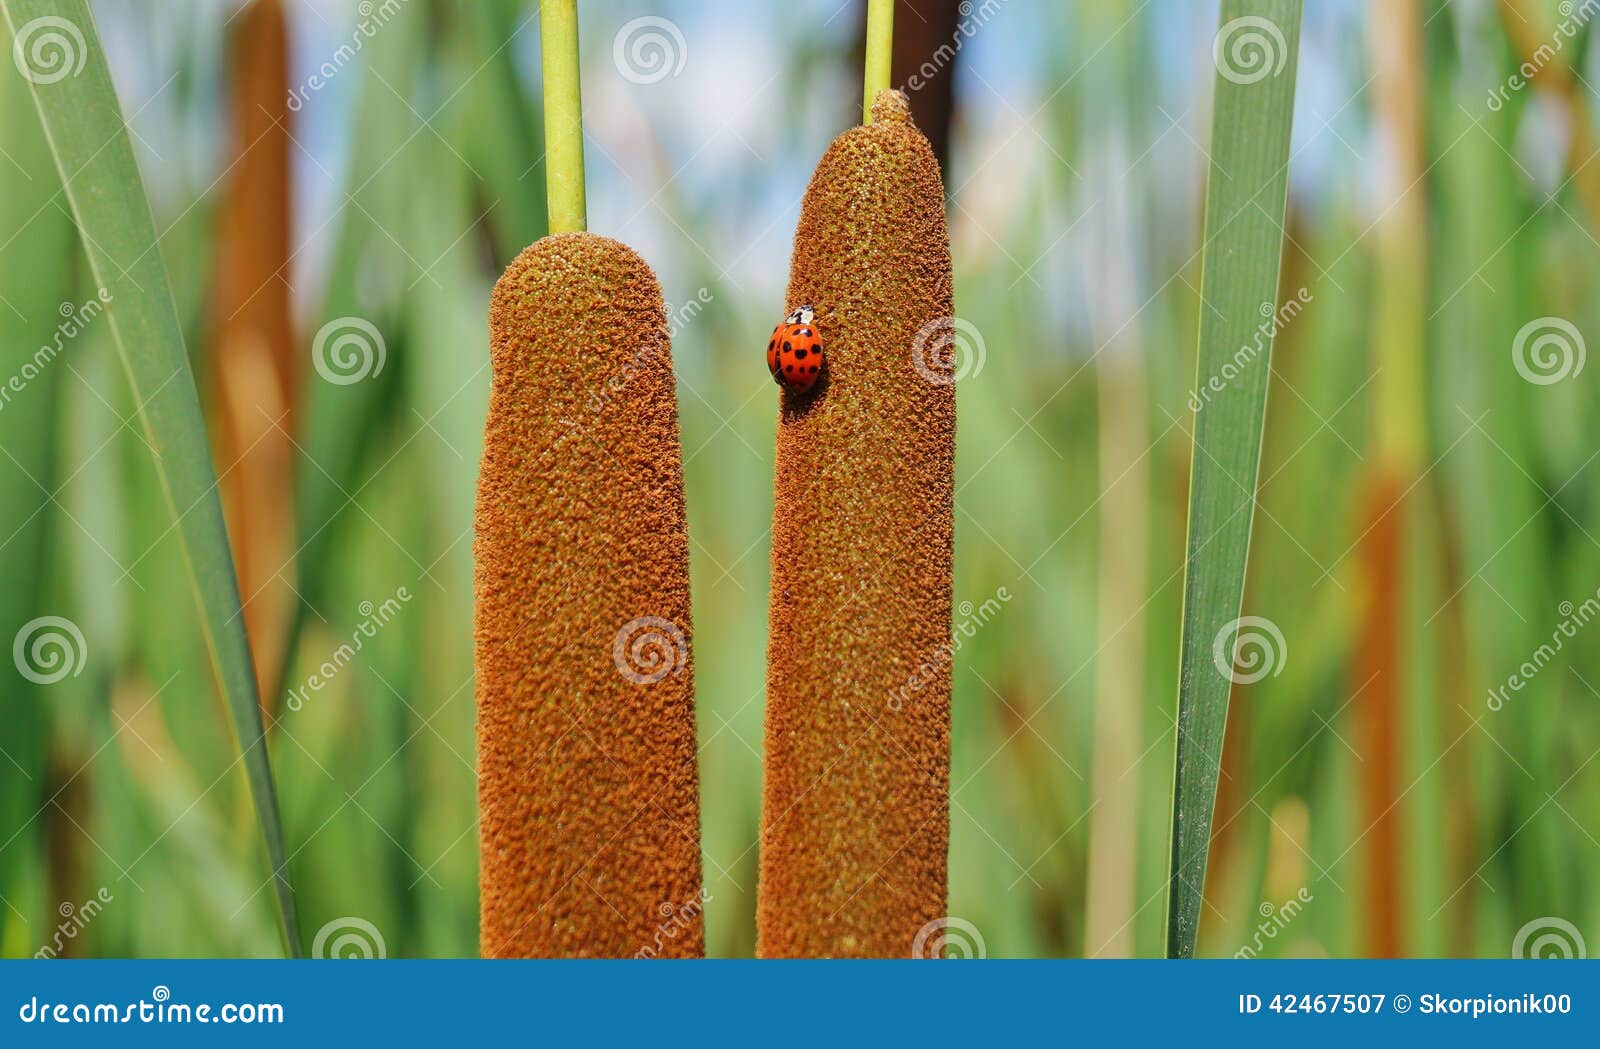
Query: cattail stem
{"x": 563, "y": 115}
{"x": 880, "y": 49}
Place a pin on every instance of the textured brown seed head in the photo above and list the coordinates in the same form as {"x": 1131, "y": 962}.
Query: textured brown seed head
{"x": 855, "y": 813}
{"x": 588, "y": 799}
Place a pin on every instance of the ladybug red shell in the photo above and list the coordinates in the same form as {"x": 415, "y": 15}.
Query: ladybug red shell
{"x": 794, "y": 353}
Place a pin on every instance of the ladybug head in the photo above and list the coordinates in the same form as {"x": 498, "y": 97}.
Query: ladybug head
{"x": 802, "y": 315}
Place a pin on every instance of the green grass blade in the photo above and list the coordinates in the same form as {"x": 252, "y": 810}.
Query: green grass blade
{"x": 36, "y": 249}
{"x": 83, "y": 122}
{"x": 1256, "y": 51}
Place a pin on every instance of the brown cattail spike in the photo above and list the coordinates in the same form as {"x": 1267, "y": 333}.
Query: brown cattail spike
{"x": 589, "y": 810}
{"x": 255, "y": 370}
{"x": 855, "y": 820}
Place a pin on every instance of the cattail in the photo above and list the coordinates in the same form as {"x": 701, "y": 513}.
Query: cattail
{"x": 254, "y": 372}
{"x": 587, "y": 788}
{"x": 586, "y": 747}
{"x": 1383, "y": 696}
{"x": 855, "y": 820}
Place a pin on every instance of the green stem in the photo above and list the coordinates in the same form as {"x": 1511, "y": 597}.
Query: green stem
{"x": 880, "y": 46}
{"x": 563, "y": 115}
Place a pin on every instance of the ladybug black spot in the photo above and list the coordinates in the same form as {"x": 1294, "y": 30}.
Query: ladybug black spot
{"x": 813, "y": 368}
{"x": 800, "y": 354}
{"x": 772, "y": 345}
{"x": 786, "y": 347}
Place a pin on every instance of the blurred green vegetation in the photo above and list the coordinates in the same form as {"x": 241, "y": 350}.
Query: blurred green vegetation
{"x": 1075, "y": 184}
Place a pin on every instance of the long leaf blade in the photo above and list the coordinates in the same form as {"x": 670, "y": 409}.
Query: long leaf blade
{"x": 1255, "y": 54}
{"x": 78, "y": 105}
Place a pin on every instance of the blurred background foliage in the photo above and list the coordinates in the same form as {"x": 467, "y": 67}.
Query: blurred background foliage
{"x": 1424, "y": 512}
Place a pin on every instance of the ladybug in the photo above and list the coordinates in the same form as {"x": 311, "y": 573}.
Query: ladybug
{"x": 794, "y": 353}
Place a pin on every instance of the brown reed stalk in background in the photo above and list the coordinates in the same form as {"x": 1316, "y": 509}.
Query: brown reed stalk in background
{"x": 1399, "y": 328}
{"x": 927, "y": 44}
{"x": 254, "y": 373}
{"x": 855, "y": 811}
{"x": 587, "y": 785}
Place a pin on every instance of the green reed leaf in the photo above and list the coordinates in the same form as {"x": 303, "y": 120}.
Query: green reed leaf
{"x": 1255, "y": 56}
{"x": 60, "y": 52}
